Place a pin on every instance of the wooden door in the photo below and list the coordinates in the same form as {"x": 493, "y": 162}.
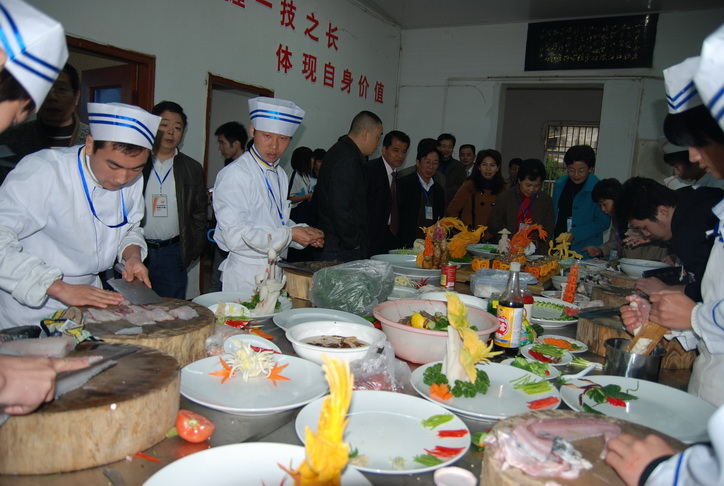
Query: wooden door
{"x": 109, "y": 84}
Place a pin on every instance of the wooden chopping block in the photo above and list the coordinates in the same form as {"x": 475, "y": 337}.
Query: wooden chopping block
{"x": 493, "y": 474}
{"x": 299, "y": 283}
{"x": 183, "y": 339}
{"x": 464, "y": 273}
{"x": 611, "y": 295}
{"x": 619, "y": 279}
{"x": 123, "y": 410}
{"x": 595, "y": 332}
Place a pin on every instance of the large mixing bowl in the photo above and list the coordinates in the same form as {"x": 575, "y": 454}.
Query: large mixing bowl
{"x": 634, "y": 267}
{"x": 422, "y": 345}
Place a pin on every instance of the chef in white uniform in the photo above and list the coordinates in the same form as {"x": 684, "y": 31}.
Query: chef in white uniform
{"x": 250, "y": 198}
{"x": 651, "y": 461}
{"x": 68, "y": 214}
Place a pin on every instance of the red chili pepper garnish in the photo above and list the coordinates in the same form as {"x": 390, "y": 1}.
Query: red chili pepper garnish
{"x": 445, "y": 452}
{"x": 259, "y": 350}
{"x": 452, "y": 433}
{"x": 543, "y": 403}
{"x": 540, "y": 356}
{"x": 237, "y": 323}
{"x": 147, "y": 457}
{"x": 616, "y": 402}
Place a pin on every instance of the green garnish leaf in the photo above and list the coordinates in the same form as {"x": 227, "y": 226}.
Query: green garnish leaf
{"x": 437, "y": 420}
{"x": 353, "y": 453}
{"x": 427, "y": 460}
{"x": 588, "y": 409}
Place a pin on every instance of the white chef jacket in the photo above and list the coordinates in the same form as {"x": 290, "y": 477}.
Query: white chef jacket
{"x": 707, "y": 322}
{"x": 47, "y": 231}
{"x": 700, "y": 465}
{"x": 250, "y": 200}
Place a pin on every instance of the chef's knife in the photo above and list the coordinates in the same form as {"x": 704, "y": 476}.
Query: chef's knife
{"x": 593, "y": 312}
{"x": 136, "y": 292}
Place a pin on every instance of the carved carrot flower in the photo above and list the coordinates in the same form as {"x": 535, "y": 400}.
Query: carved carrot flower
{"x": 441, "y": 391}
{"x": 225, "y": 373}
{"x": 274, "y": 374}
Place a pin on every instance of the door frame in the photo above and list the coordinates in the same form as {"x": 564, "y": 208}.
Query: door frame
{"x": 145, "y": 64}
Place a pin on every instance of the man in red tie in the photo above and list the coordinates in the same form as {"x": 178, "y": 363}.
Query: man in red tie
{"x": 382, "y": 218}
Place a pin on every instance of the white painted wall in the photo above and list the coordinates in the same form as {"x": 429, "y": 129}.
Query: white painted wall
{"x": 191, "y": 38}
{"x": 450, "y": 80}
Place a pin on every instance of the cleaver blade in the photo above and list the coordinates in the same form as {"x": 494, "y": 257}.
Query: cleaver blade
{"x": 136, "y": 292}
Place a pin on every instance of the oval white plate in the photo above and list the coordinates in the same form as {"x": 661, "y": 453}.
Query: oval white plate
{"x": 385, "y": 425}
{"x": 501, "y": 401}
{"x": 565, "y": 359}
{"x": 663, "y": 408}
{"x": 483, "y": 250}
{"x": 549, "y": 316}
{"x": 292, "y": 317}
{"x": 231, "y": 345}
{"x": 468, "y": 300}
{"x": 254, "y": 463}
{"x": 259, "y": 395}
{"x": 554, "y": 373}
{"x": 582, "y": 346}
{"x": 236, "y": 309}
{"x": 406, "y": 265}
{"x": 557, "y": 294}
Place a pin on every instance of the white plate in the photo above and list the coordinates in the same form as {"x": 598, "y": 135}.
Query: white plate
{"x": 554, "y": 373}
{"x": 581, "y": 345}
{"x": 253, "y": 463}
{"x": 292, "y": 317}
{"x": 501, "y": 401}
{"x": 668, "y": 410}
{"x": 406, "y": 265}
{"x": 483, "y": 249}
{"x": 385, "y": 425}
{"x": 549, "y": 317}
{"x": 565, "y": 359}
{"x": 468, "y": 300}
{"x": 400, "y": 292}
{"x": 231, "y": 345}
{"x": 258, "y": 395}
{"x": 557, "y": 294}
{"x": 234, "y": 308}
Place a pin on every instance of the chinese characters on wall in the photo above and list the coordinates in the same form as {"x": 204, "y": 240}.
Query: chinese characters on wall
{"x": 309, "y": 66}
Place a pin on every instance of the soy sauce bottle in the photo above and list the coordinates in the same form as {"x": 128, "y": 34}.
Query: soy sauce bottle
{"x": 510, "y": 314}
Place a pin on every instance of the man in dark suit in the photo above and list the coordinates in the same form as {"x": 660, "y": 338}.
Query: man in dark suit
{"x": 382, "y": 214}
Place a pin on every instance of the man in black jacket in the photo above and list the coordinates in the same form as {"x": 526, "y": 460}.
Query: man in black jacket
{"x": 382, "y": 176}
{"x": 340, "y": 197}
{"x": 175, "y": 193}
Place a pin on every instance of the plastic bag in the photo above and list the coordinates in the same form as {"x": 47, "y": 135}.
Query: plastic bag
{"x": 354, "y": 287}
{"x": 380, "y": 370}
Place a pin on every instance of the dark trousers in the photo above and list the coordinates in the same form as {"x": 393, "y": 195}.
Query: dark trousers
{"x": 167, "y": 272}
{"x": 333, "y": 251}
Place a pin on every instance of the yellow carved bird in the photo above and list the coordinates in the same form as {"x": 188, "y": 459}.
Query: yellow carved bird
{"x": 458, "y": 243}
{"x": 326, "y": 452}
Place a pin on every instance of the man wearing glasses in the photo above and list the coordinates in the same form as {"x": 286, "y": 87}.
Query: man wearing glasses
{"x": 575, "y": 211}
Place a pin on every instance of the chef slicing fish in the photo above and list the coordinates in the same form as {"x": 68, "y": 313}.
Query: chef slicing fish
{"x": 250, "y": 198}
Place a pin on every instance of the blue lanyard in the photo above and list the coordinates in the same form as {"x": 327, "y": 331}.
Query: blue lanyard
{"x": 270, "y": 168}
{"x": 160, "y": 182}
{"x": 718, "y": 233}
{"x": 90, "y": 202}
{"x": 530, "y": 206}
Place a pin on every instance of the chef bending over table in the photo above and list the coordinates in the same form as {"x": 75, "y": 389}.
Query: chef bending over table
{"x": 68, "y": 214}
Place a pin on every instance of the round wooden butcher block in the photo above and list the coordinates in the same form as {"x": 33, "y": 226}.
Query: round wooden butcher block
{"x": 182, "y": 339}
{"x": 601, "y": 474}
{"x": 119, "y": 412}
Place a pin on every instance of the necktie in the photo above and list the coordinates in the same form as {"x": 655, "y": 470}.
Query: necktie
{"x": 393, "y": 208}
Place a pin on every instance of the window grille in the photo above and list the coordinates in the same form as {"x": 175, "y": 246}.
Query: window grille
{"x": 559, "y": 137}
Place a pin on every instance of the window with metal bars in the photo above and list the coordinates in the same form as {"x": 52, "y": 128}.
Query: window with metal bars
{"x": 559, "y": 137}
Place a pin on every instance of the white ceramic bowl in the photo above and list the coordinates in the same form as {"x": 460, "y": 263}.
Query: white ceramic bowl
{"x": 559, "y": 281}
{"x": 422, "y": 345}
{"x": 313, "y": 353}
{"x": 558, "y": 294}
{"x": 634, "y": 267}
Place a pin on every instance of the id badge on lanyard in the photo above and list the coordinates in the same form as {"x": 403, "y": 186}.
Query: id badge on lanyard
{"x": 569, "y": 224}
{"x": 159, "y": 205}
{"x": 428, "y": 212}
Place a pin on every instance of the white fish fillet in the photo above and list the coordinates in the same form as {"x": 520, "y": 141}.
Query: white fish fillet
{"x": 51, "y": 347}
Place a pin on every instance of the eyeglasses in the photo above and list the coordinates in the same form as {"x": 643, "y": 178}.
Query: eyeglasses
{"x": 583, "y": 171}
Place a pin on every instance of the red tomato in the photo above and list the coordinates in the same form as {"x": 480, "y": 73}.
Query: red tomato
{"x": 193, "y": 427}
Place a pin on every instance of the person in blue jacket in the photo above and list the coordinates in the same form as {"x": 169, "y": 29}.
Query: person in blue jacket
{"x": 575, "y": 211}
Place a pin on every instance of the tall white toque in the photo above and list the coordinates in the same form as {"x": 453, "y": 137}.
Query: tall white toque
{"x": 118, "y": 122}
{"x": 275, "y": 116}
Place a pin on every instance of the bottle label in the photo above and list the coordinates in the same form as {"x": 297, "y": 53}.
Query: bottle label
{"x": 510, "y": 320}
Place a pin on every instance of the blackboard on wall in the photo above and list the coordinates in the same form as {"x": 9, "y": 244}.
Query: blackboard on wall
{"x": 605, "y": 43}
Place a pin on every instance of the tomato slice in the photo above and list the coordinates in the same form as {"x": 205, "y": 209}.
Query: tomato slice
{"x": 193, "y": 427}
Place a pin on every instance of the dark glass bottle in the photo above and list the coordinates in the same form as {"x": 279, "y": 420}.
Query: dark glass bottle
{"x": 510, "y": 314}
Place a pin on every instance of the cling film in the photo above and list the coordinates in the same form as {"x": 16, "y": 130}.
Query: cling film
{"x": 510, "y": 320}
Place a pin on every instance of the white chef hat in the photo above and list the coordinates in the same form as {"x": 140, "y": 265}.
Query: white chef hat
{"x": 35, "y": 47}
{"x": 118, "y": 122}
{"x": 681, "y": 93}
{"x": 709, "y": 78}
{"x": 275, "y": 115}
